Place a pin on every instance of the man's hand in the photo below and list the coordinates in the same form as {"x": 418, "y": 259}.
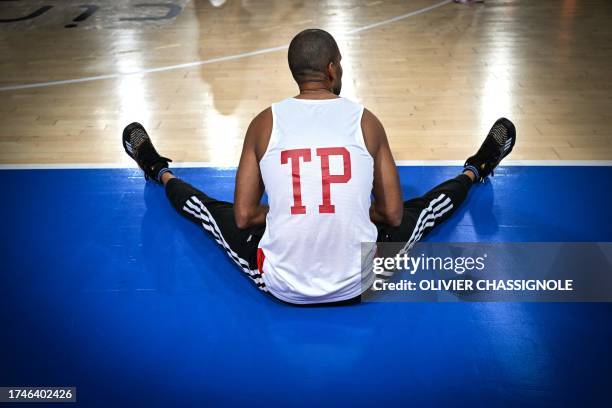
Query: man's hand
{"x": 249, "y": 186}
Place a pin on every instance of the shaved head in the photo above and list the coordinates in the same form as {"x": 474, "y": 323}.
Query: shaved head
{"x": 310, "y": 54}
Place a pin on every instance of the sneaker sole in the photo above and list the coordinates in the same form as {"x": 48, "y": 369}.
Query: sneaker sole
{"x": 126, "y": 137}
{"x": 512, "y": 137}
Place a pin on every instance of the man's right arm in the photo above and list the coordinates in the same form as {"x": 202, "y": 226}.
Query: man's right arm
{"x": 388, "y": 206}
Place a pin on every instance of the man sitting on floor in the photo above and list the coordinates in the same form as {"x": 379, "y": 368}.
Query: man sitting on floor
{"x": 319, "y": 158}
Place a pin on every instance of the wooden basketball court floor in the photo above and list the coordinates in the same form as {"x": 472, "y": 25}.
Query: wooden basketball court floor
{"x": 104, "y": 287}
{"x": 437, "y": 75}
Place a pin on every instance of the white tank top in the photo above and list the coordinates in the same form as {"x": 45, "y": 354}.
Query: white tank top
{"x": 318, "y": 176}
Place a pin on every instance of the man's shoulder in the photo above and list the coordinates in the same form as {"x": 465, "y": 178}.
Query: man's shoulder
{"x": 373, "y": 131}
{"x": 262, "y": 120}
{"x": 259, "y": 132}
{"x": 370, "y": 119}
{"x": 264, "y": 114}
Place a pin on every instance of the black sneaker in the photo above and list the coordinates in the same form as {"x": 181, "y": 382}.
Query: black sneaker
{"x": 497, "y": 145}
{"x": 138, "y": 146}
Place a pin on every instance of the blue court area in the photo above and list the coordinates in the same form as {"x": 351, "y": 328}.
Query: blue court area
{"x": 104, "y": 287}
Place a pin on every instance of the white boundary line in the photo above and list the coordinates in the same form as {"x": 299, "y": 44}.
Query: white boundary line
{"x": 407, "y": 163}
{"x": 212, "y": 60}
{"x": 508, "y": 163}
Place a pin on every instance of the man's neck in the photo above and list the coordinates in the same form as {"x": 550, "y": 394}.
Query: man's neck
{"x": 316, "y": 90}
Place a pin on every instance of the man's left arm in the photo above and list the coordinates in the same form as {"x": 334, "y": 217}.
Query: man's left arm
{"x": 249, "y": 189}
